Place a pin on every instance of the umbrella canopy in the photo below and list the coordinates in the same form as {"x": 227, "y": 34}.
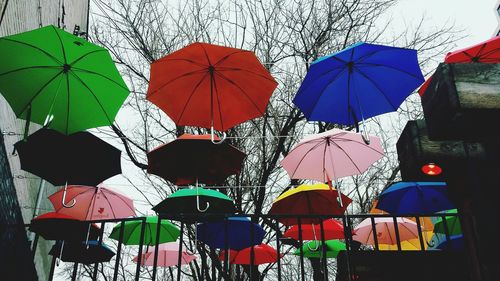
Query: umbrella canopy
{"x": 331, "y": 155}
{"x": 456, "y": 243}
{"x": 80, "y": 158}
{"x": 48, "y": 73}
{"x": 81, "y": 252}
{"x": 263, "y": 253}
{"x": 132, "y": 232}
{"x": 452, "y": 223}
{"x": 410, "y": 198}
{"x": 235, "y": 233}
{"x": 195, "y": 202}
{"x": 314, "y": 249}
{"x": 411, "y": 244}
{"x": 210, "y": 86}
{"x": 359, "y": 82}
{"x": 385, "y": 229}
{"x": 316, "y": 199}
{"x": 484, "y": 52}
{"x": 55, "y": 226}
{"x": 93, "y": 203}
{"x": 333, "y": 229}
{"x": 168, "y": 255}
{"x": 192, "y": 158}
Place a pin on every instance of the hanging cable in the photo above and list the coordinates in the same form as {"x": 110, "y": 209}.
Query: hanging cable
{"x": 39, "y": 11}
{"x": 3, "y": 11}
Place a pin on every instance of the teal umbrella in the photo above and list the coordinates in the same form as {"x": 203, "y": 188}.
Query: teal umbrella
{"x": 49, "y": 76}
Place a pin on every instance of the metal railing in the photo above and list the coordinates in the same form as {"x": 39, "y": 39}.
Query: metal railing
{"x": 212, "y": 268}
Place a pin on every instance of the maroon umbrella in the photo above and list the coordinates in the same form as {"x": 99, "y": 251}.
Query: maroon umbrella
{"x": 55, "y": 226}
{"x": 192, "y": 158}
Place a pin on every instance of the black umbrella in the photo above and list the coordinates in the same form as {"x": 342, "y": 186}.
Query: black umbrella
{"x": 55, "y": 226}
{"x": 80, "y": 158}
{"x": 81, "y": 252}
{"x": 193, "y": 158}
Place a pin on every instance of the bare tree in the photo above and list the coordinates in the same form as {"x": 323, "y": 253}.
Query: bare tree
{"x": 287, "y": 35}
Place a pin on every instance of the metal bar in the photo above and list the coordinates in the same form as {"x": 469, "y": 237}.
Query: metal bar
{"x": 34, "y": 245}
{"x": 347, "y": 236}
{"x": 75, "y": 271}
{"x": 252, "y": 253}
{"x": 52, "y": 268}
{"x": 179, "y": 258}
{"x": 323, "y": 248}
{"x": 420, "y": 233}
{"x": 396, "y": 230}
{"x": 226, "y": 246}
{"x": 301, "y": 242}
{"x": 374, "y": 232}
{"x": 157, "y": 244}
{"x": 96, "y": 265}
{"x": 278, "y": 252}
{"x": 119, "y": 250}
{"x": 141, "y": 243}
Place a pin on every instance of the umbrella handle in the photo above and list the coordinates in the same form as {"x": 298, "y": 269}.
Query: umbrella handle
{"x": 364, "y": 134}
{"x": 73, "y": 201}
{"x": 212, "y": 136}
{"x": 313, "y": 249}
{"x": 198, "y": 205}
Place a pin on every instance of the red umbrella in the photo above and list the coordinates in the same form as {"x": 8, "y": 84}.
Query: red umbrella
{"x": 484, "y": 52}
{"x": 333, "y": 229}
{"x": 93, "y": 203}
{"x": 54, "y": 226}
{"x": 192, "y": 158}
{"x": 210, "y": 86}
{"x": 263, "y": 253}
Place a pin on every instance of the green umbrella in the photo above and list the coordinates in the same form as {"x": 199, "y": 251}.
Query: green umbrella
{"x": 453, "y": 224}
{"x": 195, "y": 202}
{"x": 49, "y": 76}
{"x": 314, "y": 249}
{"x": 132, "y": 232}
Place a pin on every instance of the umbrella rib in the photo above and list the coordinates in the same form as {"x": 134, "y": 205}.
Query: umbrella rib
{"x": 28, "y": 68}
{"x": 85, "y": 55}
{"x": 98, "y": 74}
{"x": 120, "y": 197}
{"x": 390, "y": 67}
{"x": 34, "y": 47}
{"x": 38, "y": 93}
{"x": 367, "y": 146}
{"x": 182, "y": 59}
{"x": 220, "y": 69}
{"x": 231, "y": 54}
{"x": 348, "y": 156}
{"x": 110, "y": 205}
{"x": 93, "y": 94}
{"x": 67, "y": 104}
{"x": 191, "y": 96}
{"x": 91, "y": 207}
{"x": 62, "y": 45}
{"x": 304, "y": 156}
{"x": 377, "y": 87}
{"x": 241, "y": 89}
{"x": 178, "y": 77}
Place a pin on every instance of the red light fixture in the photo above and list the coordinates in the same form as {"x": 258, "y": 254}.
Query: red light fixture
{"x": 431, "y": 169}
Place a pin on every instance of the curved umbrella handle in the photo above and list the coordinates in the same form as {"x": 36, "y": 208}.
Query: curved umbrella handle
{"x": 212, "y": 136}
{"x": 72, "y": 203}
{"x": 198, "y": 205}
{"x": 315, "y": 239}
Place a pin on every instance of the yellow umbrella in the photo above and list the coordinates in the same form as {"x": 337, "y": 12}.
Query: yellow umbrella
{"x": 408, "y": 245}
{"x": 316, "y": 199}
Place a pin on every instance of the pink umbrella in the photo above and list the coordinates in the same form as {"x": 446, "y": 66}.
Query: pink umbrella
{"x": 168, "y": 255}
{"x": 331, "y": 155}
{"x": 93, "y": 203}
{"x": 386, "y": 233}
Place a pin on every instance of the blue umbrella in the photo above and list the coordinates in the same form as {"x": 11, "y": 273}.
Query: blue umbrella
{"x": 407, "y": 198}
{"x": 359, "y": 82}
{"x": 239, "y": 233}
{"x": 81, "y": 252}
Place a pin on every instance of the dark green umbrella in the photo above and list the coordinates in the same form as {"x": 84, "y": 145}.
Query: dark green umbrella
{"x": 453, "y": 224}
{"x": 314, "y": 249}
{"x": 132, "y": 232}
{"x": 195, "y": 202}
{"x": 48, "y": 75}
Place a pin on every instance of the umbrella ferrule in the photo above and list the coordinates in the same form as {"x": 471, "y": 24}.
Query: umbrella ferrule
{"x": 66, "y": 68}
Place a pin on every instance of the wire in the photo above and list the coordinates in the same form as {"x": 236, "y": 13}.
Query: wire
{"x": 3, "y": 11}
